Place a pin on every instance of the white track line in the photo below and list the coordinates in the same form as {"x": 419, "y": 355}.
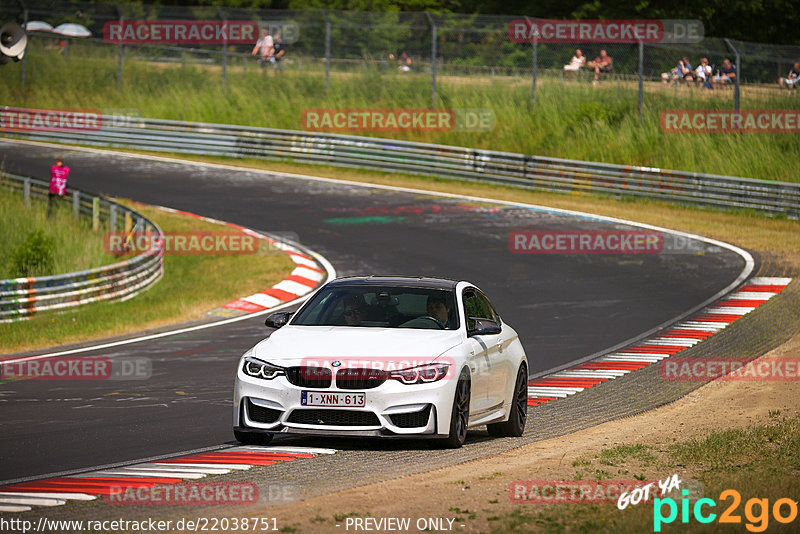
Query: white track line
{"x": 32, "y": 501}
{"x": 54, "y": 495}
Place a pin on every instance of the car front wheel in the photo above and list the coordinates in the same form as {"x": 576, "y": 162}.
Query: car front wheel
{"x": 515, "y": 426}
{"x": 459, "y": 419}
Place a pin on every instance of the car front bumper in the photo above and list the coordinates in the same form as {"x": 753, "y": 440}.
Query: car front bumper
{"x": 268, "y": 406}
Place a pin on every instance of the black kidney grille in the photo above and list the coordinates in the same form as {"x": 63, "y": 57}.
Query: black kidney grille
{"x": 413, "y": 419}
{"x": 260, "y": 414}
{"x": 328, "y": 417}
{"x": 359, "y": 378}
{"x": 309, "y": 377}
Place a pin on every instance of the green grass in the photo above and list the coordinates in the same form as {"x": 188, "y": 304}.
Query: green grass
{"x": 191, "y": 286}
{"x": 759, "y": 461}
{"x": 75, "y": 246}
{"x": 576, "y": 120}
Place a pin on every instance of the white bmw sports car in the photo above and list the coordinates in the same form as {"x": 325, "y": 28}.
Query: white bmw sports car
{"x": 385, "y": 356}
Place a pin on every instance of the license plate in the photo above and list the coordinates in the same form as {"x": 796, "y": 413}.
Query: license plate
{"x": 315, "y": 398}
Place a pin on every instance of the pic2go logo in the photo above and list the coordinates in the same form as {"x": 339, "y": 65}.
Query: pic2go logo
{"x": 756, "y": 511}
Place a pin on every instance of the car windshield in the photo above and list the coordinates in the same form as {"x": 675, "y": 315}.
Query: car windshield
{"x": 385, "y": 307}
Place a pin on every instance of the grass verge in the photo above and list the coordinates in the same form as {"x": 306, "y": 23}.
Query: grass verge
{"x": 69, "y": 245}
{"x": 191, "y": 286}
{"x": 760, "y": 461}
{"x": 576, "y": 120}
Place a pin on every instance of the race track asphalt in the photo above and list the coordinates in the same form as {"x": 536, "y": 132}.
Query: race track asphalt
{"x": 565, "y": 306}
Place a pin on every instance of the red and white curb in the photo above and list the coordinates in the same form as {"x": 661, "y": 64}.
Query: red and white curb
{"x": 669, "y": 342}
{"x": 305, "y": 278}
{"x": 57, "y": 491}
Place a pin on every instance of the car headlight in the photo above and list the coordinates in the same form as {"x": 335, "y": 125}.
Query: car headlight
{"x": 260, "y": 369}
{"x": 422, "y": 374}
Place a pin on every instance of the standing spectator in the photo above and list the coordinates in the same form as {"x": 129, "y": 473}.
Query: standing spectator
{"x": 601, "y": 63}
{"x": 703, "y": 73}
{"x": 726, "y": 74}
{"x": 792, "y": 78}
{"x": 264, "y": 46}
{"x": 58, "y": 184}
{"x": 278, "y": 50}
{"x": 575, "y": 64}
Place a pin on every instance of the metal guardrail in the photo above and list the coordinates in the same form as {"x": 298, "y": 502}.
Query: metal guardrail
{"x": 534, "y": 172}
{"x": 20, "y": 298}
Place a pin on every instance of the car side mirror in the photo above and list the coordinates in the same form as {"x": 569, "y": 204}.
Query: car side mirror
{"x": 483, "y": 327}
{"x": 278, "y": 319}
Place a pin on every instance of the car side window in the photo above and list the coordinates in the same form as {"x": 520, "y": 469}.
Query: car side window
{"x": 472, "y": 308}
{"x": 491, "y": 313}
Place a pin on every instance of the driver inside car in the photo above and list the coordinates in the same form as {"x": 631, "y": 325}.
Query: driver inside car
{"x": 352, "y": 312}
{"x": 437, "y": 308}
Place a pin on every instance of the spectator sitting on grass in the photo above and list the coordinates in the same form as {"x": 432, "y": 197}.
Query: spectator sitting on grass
{"x": 703, "y": 73}
{"x": 683, "y": 71}
{"x": 601, "y": 63}
{"x": 576, "y": 63}
{"x": 726, "y": 74}
{"x": 792, "y": 78}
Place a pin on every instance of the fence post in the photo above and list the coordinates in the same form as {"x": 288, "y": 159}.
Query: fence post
{"x": 327, "y": 50}
{"x": 641, "y": 79}
{"x": 26, "y": 192}
{"x": 433, "y": 59}
{"x": 224, "y": 49}
{"x": 112, "y": 218}
{"x": 24, "y": 57}
{"x": 76, "y": 204}
{"x": 534, "y": 60}
{"x": 738, "y": 73}
{"x": 119, "y": 50}
{"x": 95, "y": 213}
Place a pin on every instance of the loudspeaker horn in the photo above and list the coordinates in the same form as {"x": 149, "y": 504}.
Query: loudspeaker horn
{"x": 13, "y": 40}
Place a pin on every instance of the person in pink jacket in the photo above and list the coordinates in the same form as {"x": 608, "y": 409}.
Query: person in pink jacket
{"x": 58, "y": 183}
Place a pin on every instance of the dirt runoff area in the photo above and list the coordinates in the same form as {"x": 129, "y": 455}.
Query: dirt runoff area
{"x": 475, "y": 494}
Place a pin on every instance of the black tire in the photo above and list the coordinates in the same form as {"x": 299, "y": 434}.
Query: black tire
{"x": 252, "y": 438}
{"x": 515, "y": 426}
{"x": 459, "y": 418}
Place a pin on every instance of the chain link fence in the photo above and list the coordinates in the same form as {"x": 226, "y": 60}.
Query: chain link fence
{"x": 439, "y": 48}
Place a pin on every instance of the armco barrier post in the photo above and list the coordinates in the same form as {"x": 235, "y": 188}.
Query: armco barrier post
{"x": 25, "y": 57}
{"x": 433, "y": 59}
{"x": 224, "y": 51}
{"x": 26, "y": 188}
{"x": 641, "y": 79}
{"x": 327, "y": 50}
{"x": 96, "y": 213}
{"x": 738, "y": 60}
{"x": 76, "y": 204}
{"x": 119, "y": 50}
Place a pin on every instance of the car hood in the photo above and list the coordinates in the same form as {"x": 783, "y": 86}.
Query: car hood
{"x": 292, "y": 345}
